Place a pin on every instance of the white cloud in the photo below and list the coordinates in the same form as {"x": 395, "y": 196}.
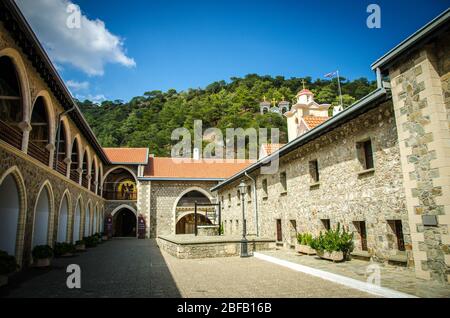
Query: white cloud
{"x": 96, "y": 99}
{"x": 77, "y": 86}
{"x": 88, "y": 47}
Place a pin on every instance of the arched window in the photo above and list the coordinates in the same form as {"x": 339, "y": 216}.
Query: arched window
{"x": 9, "y": 214}
{"x": 63, "y": 220}
{"x": 93, "y": 174}
{"x": 120, "y": 184}
{"x": 61, "y": 147}
{"x": 39, "y": 135}
{"x": 11, "y": 105}
{"x": 41, "y": 218}
{"x": 77, "y": 222}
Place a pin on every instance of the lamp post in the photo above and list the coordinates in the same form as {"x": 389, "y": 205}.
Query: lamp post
{"x": 244, "y": 242}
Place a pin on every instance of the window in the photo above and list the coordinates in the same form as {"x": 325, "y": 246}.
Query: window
{"x": 283, "y": 181}
{"x": 365, "y": 154}
{"x": 279, "y": 231}
{"x": 326, "y": 224}
{"x": 249, "y": 193}
{"x": 238, "y": 197}
{"x": 264, "y": 186}
{"x": 237, "y": 226}
{"x": 397, "y": 228}
{"x": 229, "y": 199}
{"x": 314, "y": 170}
{"x": 361, "y": 228}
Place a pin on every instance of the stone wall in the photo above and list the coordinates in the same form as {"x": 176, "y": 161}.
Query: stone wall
{"x": 157, "y": 202}
{"x": 421, "y": 93}
{"x": 34, "y": 176}
{"x": 345, "y": 194}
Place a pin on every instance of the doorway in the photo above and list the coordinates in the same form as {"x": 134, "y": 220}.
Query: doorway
{"x": 124, "y": 223}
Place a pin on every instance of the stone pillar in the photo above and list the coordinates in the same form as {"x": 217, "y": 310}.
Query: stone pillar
{"x": 51, "y": 151}
{"x": 80, "y": 174}
{"x": 26, "y": 128}
{"x": 424, "y": 139}
{"x": 68, "y": 162}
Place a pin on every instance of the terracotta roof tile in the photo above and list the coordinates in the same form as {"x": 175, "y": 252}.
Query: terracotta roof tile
{"x": 164, "y": 167}
{"x": 127, "y": 155}
{"x": 314, "y": 121}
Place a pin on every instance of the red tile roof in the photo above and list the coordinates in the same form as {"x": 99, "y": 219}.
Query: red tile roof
{"x": 305, "y": 92}
{"x": 270, "y": 148}
{"x": 162, "y": 167}
{"x": 127, "y": 155}
{"x": 314, "y": 121}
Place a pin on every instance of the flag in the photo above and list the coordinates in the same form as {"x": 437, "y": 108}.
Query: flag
{"x": 330, "y": 75}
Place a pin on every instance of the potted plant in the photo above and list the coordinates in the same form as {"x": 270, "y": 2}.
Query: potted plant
{"x": 335, "y": 245}
{"x": 63, "y": 249}
{"x": 8, "y": 265}
{"x": 104, "y": 236}
{"x": 80, "y": 245}
{"x": 42, "y": 255}
{"x": 304, "y": 244}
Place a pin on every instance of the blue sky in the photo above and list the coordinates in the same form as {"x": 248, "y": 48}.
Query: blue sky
{"x": 182, "y": 44}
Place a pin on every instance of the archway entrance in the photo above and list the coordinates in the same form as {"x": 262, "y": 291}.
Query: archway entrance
{"x": 9, "y": 214}
{"x": 124, "y": 223}
{"x": 41, "y": 219}
{"x": 186, "y": 225}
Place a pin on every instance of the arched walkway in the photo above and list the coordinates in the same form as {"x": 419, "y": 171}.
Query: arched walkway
{"x": 42, "y": 217}
{"x": 77, "y": 222}
{"x": 88, "y": 220}
{"x": 124, "y": 223}
{"x": 63, "y": 220}
{"x": 184, "y": 211}
{"x": 120, "y": 184}
{"x": 9, "y": 214}
{"x": 95, "y": 224}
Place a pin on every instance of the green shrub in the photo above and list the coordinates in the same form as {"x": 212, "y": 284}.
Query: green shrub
{"x": 91, "y": 241}
{"x": 63, "y": 248}
{"x": 80, "y": 242}
{"x": 304, "y": 239}
{"x": 8, "y": 263}
{"x": 42, "y": 251}
{"x": 336, "y": 240}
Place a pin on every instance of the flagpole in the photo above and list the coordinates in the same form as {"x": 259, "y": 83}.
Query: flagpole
{"x": 339, "y": 86}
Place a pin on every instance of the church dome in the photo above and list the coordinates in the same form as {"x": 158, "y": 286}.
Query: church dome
{"x": 304, "y": 92}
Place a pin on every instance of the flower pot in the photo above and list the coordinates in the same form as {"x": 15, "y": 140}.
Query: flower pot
{"x": 104, "y": 237}
{"x": 335, "y": 256}
{"x": 305, "y": 249}
{"x": 42, "y": 262}
{"x": 3, "y": 280}
{"x": 80, "y": 247}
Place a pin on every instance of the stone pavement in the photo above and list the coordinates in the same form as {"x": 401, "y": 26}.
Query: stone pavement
{"x": 394, "y": 277}
{"x": 137, "y": 268}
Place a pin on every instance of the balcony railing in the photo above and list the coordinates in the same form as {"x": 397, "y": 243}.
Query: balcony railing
{"x": 114, "y": 195}
{"x": 74, "y": 176}
{"x": 10, "y": 135}
{"x": 61, "y": 167}
{"x": 38, "y": 153}
{"x": 84, "y": 182}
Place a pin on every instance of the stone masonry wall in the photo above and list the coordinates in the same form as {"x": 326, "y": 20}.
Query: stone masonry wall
{"x": 345, "y": 194}
{"x": 157, "y": 200}
{"x": 421, "y": 93}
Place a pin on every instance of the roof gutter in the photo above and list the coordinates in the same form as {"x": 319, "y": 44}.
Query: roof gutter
{"x": 363, "y": 105}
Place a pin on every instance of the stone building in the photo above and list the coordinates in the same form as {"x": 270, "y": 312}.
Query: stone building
{"x": 380, "y": 168}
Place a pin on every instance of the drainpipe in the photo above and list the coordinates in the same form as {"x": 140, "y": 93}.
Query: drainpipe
{"x": 58, "y": 133}
{"x": 379, "y": 80}
{"x": 255, "y": 206}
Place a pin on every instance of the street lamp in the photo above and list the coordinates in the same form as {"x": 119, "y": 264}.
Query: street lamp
{"x": 244, "y": 242}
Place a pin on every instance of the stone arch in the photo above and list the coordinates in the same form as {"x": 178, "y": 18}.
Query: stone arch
{"x": 43, "y": 215}
{"x": 86, "y": 163}
{"x": 123, "y": 206}
{"x": 77, "y": 218}
{"x": 45, "y": 95}
{"x": 181, "y": 195}
{"x": 21, "y": 213}
{"x": 17, "y": 60}
{"x": 88, "y": 219}
{"x": 95, "y": 217}
{"x": 64, "y": 213}
{"x": 94, "y": 174}
{"x": 119, "y": 167}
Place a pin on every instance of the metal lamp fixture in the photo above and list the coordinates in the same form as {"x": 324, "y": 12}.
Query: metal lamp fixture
{"x": 244, "y": 243}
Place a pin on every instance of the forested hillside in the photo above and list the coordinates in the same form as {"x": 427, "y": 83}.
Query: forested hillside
{"x": 148, "y": 120}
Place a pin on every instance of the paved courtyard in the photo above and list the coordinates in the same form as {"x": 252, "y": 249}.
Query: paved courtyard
{"x": 137, "y": 268}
